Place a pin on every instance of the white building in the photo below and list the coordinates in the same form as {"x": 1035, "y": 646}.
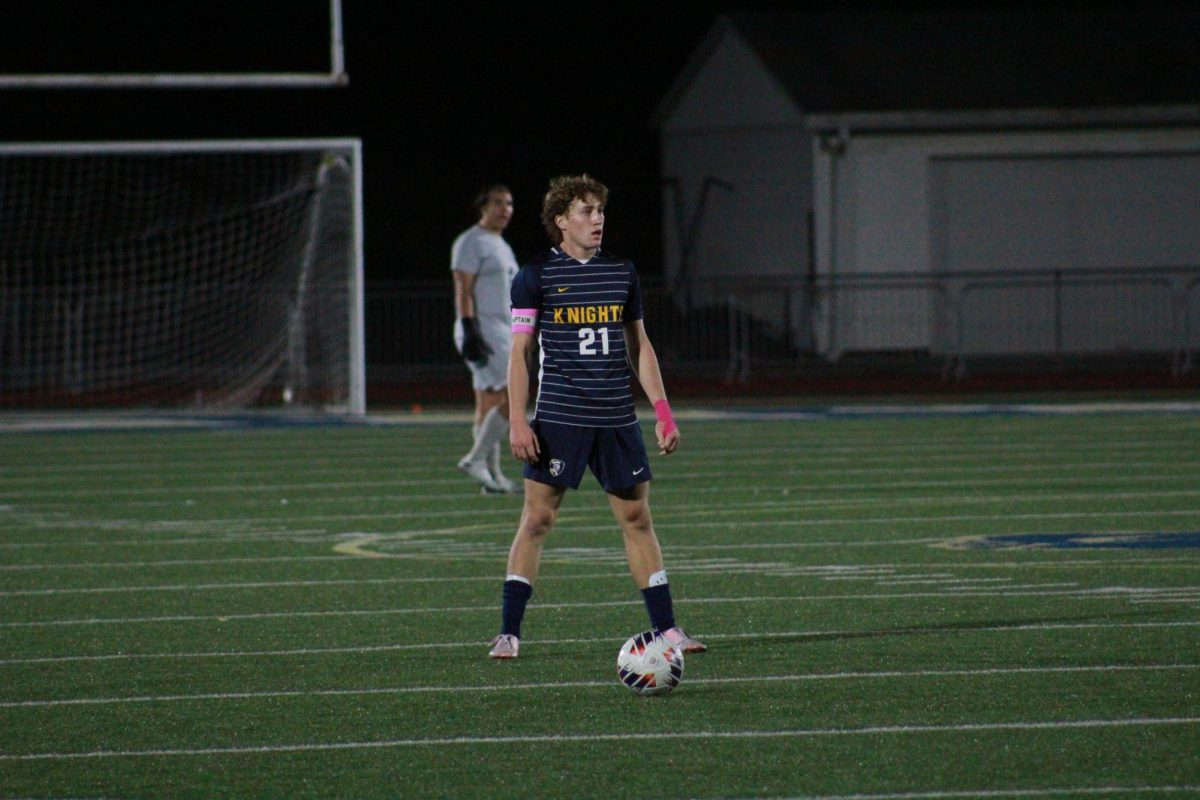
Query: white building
{"x": 942, "y": 182}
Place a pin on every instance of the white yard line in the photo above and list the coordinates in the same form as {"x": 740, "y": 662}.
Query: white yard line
{"x": 687, "y": 509}
{"x": 225, "y": 532}
{"x": 829, "y": 571}
{"x": 1169, "y": 472}
{"x": 1103, "y": 593}
{"x": 623, "y": 738}
{"x": 204, "y": 587}
{"x": 170, "y": 562}
{"x": 554, "y": 685}
{"x": 303, "y": 652}
{"x": 724, "y": 568}
{"x": 938, "y": 580}
{"x": 296, "y": 452}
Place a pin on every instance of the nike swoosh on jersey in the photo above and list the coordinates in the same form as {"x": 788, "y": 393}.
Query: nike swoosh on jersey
{"x": 562, "y": 289}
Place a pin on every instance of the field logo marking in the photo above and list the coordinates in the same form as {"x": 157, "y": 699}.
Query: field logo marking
{"x": 1134, "y": 540}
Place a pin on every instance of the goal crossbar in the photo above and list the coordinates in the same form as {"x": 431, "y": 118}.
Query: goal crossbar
{"x": 336, "y": 76}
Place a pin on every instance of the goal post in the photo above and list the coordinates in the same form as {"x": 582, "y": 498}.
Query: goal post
{"x": 183, "y": 32}
{"x": 223, "y": 274}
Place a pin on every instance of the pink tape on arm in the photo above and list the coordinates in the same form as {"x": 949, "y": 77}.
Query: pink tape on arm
{"x": 662, "y": 412}
{"x": 524, "y": 320}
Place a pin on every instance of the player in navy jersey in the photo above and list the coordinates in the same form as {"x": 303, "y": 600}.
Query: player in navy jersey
{"x": 584, "y": 306}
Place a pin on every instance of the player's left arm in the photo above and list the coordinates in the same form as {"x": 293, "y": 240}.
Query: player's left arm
{"x": 645, "y": 361}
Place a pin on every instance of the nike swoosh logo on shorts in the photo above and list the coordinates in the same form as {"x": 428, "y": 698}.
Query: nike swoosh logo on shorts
{"x": 636, "y": 471}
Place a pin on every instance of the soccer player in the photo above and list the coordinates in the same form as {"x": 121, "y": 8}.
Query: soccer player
{"x": 483, "y": 266}
{"x": 585, "y": 307}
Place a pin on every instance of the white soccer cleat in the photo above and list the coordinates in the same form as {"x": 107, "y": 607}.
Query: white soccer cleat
{"x": 687, "y": 644}
{"x": 508, "y": 486}
{"x": 478, "y": 470}
{"x": 504, "y": 646}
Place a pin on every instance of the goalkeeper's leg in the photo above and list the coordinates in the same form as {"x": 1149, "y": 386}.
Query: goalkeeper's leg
{"x": 490, "y": 429}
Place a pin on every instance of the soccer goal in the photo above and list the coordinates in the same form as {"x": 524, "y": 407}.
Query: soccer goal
{"x": 202, "y": 275}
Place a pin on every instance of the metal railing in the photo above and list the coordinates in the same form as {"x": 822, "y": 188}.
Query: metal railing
{"x": 736, "y": 328}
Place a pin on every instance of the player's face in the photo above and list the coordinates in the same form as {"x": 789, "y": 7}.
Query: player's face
{"x": 497, "y": 211}
{"x": 582, "y": 226}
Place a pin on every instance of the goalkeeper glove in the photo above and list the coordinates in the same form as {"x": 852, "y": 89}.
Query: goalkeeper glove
{"x": 474, "y": 348}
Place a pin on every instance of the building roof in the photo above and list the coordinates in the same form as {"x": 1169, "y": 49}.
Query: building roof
{"x": 939, "y": 60}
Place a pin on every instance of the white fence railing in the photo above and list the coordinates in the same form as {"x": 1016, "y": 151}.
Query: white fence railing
{"x": 773, "y": 323}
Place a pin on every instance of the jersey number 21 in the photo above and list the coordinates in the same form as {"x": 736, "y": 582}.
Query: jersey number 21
{"x": 587, "y": 343}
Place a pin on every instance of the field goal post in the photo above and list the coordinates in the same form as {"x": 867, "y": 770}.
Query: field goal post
{"x": 334, "y": 75}
{"x": 218, "y": 274}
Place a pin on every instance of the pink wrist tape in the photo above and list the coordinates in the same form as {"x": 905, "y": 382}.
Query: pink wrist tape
{"x": 524, "y": 320}
{"x": 662, "y": 412}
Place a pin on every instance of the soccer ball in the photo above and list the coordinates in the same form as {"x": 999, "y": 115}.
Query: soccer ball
{"x": 649, "y": 664}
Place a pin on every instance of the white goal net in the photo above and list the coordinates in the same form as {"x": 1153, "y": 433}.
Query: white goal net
{"x": 181, "y": 274}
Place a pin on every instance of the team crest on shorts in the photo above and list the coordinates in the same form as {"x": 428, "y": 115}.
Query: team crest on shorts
{"x": 556, "y": 467}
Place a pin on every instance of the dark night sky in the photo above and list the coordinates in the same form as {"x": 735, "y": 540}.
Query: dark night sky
{"x": 445, "y": 99}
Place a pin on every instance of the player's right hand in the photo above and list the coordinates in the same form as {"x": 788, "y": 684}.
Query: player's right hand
{"x": 523, "y": 441}
{"x": 474, "y": 348}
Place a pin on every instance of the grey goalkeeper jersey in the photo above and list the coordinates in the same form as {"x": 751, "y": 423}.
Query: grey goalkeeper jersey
{"x": 488, "y": 257}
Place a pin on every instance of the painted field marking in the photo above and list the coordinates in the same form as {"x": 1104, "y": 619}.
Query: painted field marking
{"x": 505, "y": 516}
{"x": 225, "y": 535}
{"x": 553, "y": 685}
{"x": 1001, "y": 794}
{"x": 1054, "y": 440}
{"x": 1029, "y": 590}
{"x": 831, "y": 572}
{"x": 941, "y": 580}
{"x": 387, "y": 648}
{"x": 1169, "y": 471}
{"x": 827, "y": 571}
{"x": 877, "y": 730}
{"x": 726, "y": 567}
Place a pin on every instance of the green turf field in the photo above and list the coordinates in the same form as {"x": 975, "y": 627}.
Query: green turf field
{"x": 303, "y": 611}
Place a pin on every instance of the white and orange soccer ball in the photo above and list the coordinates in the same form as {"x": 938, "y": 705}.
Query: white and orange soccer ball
{"x": 649, "y": 664}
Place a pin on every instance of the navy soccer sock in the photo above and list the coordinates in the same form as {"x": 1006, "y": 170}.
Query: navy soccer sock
{"x": 516, "y": 595}
{"x": 658, "y": 606}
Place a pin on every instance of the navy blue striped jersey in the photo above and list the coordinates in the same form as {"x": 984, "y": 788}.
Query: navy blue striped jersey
{"x": 581, "y": 307}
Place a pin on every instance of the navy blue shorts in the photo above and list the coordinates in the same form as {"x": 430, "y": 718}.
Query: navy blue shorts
{"x": 616, "y": 456}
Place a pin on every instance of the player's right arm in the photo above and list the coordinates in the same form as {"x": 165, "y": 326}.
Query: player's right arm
{"x": 526, "y": 296}
{"x": 474, "y": 347}
{"x": 464, "y": 293}
{"x": 520, "y": 435}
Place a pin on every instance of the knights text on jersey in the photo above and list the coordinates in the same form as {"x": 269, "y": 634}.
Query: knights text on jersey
{"x": 581, "y": 307}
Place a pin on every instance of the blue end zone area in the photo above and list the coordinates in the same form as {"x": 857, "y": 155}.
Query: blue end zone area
{"x": 1150, "y": 540}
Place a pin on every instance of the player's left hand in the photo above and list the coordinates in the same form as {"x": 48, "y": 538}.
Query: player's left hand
{"x": 667, "y": 442}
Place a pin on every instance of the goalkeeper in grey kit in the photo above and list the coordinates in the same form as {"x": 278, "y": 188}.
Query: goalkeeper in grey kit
{"x": 483, "y": 266}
